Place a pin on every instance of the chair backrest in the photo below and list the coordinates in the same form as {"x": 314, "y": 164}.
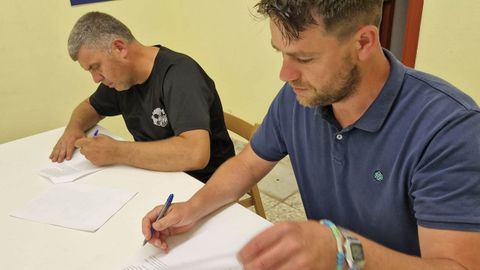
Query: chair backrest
{"x": 246, "y": 130}
{"x": 239, "y": 126}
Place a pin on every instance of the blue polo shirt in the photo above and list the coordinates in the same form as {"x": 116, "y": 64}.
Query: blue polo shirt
{"x": 412, "y": 159}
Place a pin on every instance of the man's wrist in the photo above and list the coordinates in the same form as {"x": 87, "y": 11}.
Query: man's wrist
{"x": 353, "y": 249}
{"x": 340, "y": 257}
{"x": 350, "y": 253}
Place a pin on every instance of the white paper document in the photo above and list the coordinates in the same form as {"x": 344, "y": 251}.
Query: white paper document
{"x": 77, "y": 167}
{"x": 69, "y": 170}
{"x": 212, "y": 245}
{"x": 75, "y": 205}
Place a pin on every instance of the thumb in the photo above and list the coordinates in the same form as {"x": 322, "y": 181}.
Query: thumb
{"x": 172, "y": 224}
{"x": 80, "y": 142}
{"x": 169, "y": 220}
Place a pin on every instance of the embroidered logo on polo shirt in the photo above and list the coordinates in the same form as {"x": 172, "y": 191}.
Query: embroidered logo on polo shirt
{"x": 378, "y": 176}
{"x": 159, "y": 117}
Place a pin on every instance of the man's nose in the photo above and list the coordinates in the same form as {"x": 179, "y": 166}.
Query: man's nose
{"x": 97, "y": 77}
{"x": 289, "y": 71}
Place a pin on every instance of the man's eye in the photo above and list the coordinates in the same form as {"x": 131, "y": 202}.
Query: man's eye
{"x": 304, "y": 60}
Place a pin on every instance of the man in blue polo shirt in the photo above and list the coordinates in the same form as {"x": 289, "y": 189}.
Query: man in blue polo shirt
{"x": 388, "y": 158}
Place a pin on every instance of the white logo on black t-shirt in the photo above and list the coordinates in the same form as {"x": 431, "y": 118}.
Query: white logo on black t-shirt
{"x": 159, "y": 117}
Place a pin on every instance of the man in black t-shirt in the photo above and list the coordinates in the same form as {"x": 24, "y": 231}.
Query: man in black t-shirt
{"x": 168, "y": 102}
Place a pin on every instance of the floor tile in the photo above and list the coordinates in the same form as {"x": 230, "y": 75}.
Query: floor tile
{"x": 238, "y": 144}
{"x": 282, "y": 212}
{"x": 279, "y": 192}
{"x": 268, "y": 202}
{"x": 280, "y": 183}
{"x": 295, "y": 201}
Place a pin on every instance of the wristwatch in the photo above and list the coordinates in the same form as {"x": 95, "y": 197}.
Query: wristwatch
{"x": 353, "y": 251}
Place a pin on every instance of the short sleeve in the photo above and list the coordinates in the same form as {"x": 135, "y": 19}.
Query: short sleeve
{"x": 268, "y": 141}
{"x": 445, "y": 188}
{"x": 189, "y": 93}
{"x": 104, "y": 101}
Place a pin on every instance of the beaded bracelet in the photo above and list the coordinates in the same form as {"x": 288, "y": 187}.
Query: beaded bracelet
{"x": 338, "y": 238}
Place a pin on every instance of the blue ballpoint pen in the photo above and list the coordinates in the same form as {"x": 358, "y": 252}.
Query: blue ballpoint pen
{"x": 161, "y": 214}
{"x": 95, "y": 133}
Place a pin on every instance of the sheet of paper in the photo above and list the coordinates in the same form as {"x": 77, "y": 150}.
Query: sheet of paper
{"x": 212, "y": 245}
{"x": 77, "y": 167}
{"x": 75, "y": 205}
{"x": 69, "y": 170}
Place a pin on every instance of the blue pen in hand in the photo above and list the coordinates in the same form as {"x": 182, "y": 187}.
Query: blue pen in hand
{"x": 161, "y": 214}
{"x": 95, "y": 133}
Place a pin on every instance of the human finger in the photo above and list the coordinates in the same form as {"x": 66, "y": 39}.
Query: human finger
{"x": 170, "y": 219}
{"x": 153, "y": 236}
{"x": 159, "y": 240}
{"x": 176, "y": 221}
{"x": 61, "y": 155}
{"x": 69, "y": 151}
{"x": 60, "y": 151}
{"x": 81, "y": 142}
{"x": 261, "y": 242}
{"x": 54, "y": 155}
{"x": 147, "y": 221}
{"x": 276, "y": 256}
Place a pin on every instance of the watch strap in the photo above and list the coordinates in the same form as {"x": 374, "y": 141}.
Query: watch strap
{"x": 351, "y": 255}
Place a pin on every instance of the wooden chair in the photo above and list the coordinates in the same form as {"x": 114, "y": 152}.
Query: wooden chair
{"x": 246, "y": 130}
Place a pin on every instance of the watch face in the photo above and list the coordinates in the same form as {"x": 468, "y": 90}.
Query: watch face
{"x": 357, "y": 251}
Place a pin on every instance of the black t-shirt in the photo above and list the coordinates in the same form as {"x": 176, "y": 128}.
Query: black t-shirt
{"x": 178, "y": 96}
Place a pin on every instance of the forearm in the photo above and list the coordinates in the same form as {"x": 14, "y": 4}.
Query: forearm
{"x": 83, "y": 117}
{"x": 177, "y": 153}
{"x": 231, "y": 181}
{"x": 227, "y": 184}
{"x": 379, "y": 257}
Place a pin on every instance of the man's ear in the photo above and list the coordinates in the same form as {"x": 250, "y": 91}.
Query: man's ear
{"x": 367, "y": 39}
{"x": 119, "y": 47}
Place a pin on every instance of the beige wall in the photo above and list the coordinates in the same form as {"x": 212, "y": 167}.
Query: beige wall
{"x": 449, "y": 43}
{"x": 40, "y": 85}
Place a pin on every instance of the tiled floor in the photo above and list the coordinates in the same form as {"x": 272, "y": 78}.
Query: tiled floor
{"x": 279, "y": 191}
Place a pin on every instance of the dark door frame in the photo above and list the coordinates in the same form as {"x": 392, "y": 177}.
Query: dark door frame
{"x": 412, "y": 28}
{"x": 387, "y": 23}
{"x": 412, "y": 31}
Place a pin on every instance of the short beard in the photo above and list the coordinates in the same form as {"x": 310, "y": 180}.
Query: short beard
{"x": 347, "y": 85}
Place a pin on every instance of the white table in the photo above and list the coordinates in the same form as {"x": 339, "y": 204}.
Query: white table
{"x": 30, "y": 245}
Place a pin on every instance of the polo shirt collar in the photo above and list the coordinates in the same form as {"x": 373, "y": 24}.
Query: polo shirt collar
{"x": 373, "y": 119}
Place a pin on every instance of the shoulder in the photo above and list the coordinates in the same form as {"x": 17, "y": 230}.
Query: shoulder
{"x": 174, "y": 68}
{"x": 179, "y": 60}
{"x": 433, "y": 89}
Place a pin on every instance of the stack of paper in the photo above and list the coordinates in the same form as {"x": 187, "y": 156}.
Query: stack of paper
{"x": 69, "y": 170}
{"x": 212, "y": 245}
{"x": 78, "y": 166}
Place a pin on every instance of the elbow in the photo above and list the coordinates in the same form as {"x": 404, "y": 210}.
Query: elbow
{"x": 196, "y": 149}
{"x": 198, "y": 160}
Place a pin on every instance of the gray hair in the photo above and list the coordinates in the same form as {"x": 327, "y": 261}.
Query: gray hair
{"x": 96, "y": 30}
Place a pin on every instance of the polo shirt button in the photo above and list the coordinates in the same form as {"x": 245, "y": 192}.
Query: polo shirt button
{"x": 339, "y": 137}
